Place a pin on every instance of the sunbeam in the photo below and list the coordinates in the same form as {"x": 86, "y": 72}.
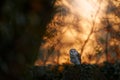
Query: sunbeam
{"x": 76, "y": 25}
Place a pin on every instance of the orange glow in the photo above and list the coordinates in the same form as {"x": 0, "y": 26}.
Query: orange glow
{"x": 83, "y": 21}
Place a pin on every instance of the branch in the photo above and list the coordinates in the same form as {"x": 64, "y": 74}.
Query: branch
{"x": 92, "y": 30}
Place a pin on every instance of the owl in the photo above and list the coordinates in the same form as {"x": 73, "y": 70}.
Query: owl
{"x": 75, "y": 57}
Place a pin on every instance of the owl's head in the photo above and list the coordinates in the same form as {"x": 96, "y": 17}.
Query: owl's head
{"x": 73, "y": 52}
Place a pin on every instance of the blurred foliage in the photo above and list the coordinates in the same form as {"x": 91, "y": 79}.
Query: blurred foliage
{"x": 66, "y": 24}
{"x": 107, "y": 71}
{"x": 22, "y": 26}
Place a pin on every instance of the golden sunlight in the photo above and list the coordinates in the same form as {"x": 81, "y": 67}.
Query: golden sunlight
{"x": 81, "y": 28}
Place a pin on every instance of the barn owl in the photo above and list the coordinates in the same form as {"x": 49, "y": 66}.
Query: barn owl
{"x": 74, "y": 56}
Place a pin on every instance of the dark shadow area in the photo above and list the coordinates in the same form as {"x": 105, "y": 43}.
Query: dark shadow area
{"x": 22, "y": 26}
{"x": 106, "y": 71}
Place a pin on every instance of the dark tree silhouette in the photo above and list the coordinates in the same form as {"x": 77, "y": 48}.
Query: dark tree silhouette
{"x": 22, "y": 26}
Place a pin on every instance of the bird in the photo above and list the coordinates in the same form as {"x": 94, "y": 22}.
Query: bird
{"x": 75, "y": 57}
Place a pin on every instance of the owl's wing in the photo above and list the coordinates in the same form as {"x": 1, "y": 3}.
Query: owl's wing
{"x": 79, "y": 57}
